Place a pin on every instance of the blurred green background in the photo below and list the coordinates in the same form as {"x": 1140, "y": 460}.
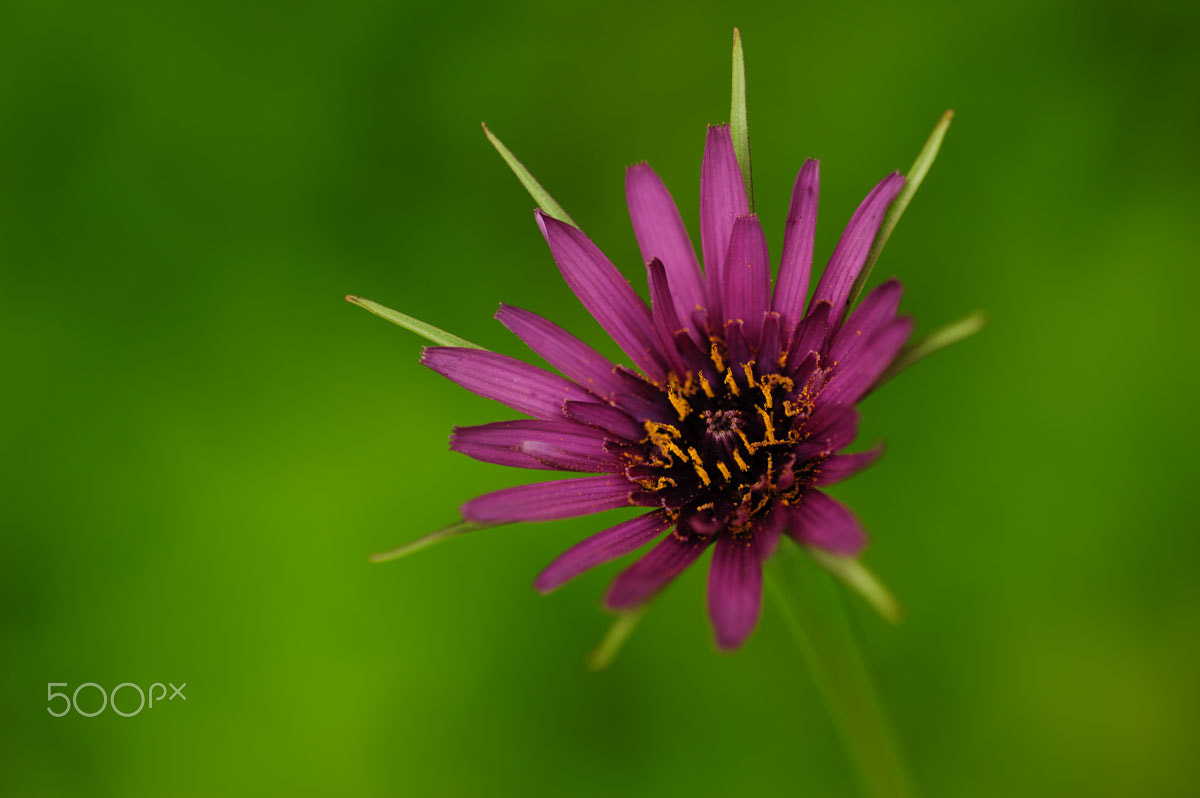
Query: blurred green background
{"x": 202, "y": 442}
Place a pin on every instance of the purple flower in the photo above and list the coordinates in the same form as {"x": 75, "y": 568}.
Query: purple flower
{"x": 741, "y": 403}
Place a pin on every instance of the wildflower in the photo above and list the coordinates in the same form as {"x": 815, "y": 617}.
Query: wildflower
{"x": 743, "y": 396}
{"x": 739, "y": 408}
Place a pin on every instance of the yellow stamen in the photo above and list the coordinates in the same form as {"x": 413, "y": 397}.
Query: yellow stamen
{"x": 731, "y": 383}
{"x": 675, "y": 397}
{"x": 699, "y": 468}
{"x": 768, "y": 424}
{"x": 737, "y": 458}
{"x": 704, "y": 386}
{"x": 724, "y": 469}
{"x": 748, "y": 369}
{"x": 716, "y": 356}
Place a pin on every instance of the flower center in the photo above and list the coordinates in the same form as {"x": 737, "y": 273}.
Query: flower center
{"x": 727, "y": 454}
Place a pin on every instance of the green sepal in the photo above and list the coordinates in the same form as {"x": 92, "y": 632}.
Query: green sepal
{"x": 738, "y": 120}
{"x": 433, "y": 538}
{"x": 426, "y": 331}
{"x": 540, "y": 195}
{"x": 912, "y": 181}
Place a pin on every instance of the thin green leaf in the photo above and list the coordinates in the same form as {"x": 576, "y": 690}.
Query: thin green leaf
{"x": 617, "y": 634}
{"x": 913, "y": 180}
{"x": 427, "y": 331}
{"x": 454, "y": 530}
{"x": 861, "y": 580}
{"x": 738, "y": 122}
{"x": 540, "y": 195}
{"x": 940, "y": 338}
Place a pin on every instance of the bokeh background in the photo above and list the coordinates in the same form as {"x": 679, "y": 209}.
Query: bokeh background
{"x": 202, "y": 442}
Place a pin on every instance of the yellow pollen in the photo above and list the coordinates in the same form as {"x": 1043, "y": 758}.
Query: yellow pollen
{"x": 748, "y": 369}
{"x": 724, "y": 469}
{"x": 699, "y": 468}
{"x": 731, "y": 383}
{"x": 704, "y": 386}
{"x": 768, "y": 424}
{"x": 716, "y": 356}
{"x": 737, "y": 458}
{"x": 675, "y": 397}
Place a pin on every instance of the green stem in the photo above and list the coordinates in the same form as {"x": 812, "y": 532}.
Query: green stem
{"x": 817, "y": 619}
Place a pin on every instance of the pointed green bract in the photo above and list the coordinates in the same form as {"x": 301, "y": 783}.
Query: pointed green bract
{"x": 940, "y": 338}
{"x": 738, "y": 121}
{"x": 445, "y": 533}
{"x": 427, "y": 331}
{"x": 912, "y": 182}
{"x": 856, "y": 576}
{"x": 540, "y": 195}
{"x": 614, "y": 639}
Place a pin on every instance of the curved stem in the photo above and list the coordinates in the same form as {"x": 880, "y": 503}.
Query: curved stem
{"x": 817, "y": 619}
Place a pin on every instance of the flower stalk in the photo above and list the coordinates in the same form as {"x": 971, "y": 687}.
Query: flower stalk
{"x": 814, "y": 612}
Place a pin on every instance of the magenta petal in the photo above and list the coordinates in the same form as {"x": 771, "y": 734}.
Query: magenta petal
{"x": 722, "y": 200}
{"x": 578, "y": 361}
{"x": 734, "y": 589}
{"x": 810, "y": 334}
{"x": 548, "y": 501}
{"x": 501, "y": 443}
{"x": 829, "y": 429}
{"x": 605, "y": 417}
{"x": 602, "y": 547}
{"x": 851, "y": 252}
{"x": 853, "y": 379}
{"x": 662, "y": 309}
{"x": 641, "y": 581}
{"x": 843, "y": 466}
{"x": 661, "y": 234}
{"x": 605, "y": 293}
{"x": 795, "y": 266}
{"x": 747, "y": 283}
{"x": 519, "y": 385}
{"x": 821, "y": 521}
{"x": 872, "y": 315}
{"x": 770, "y": 348}
{"x": 768, "y": 530}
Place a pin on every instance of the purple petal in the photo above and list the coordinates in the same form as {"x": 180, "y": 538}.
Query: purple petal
{"x": 853, "y": 379}
{"x": 747, "y": 282}
{"x": 734, "y": 589}
{"x": 738, "y": 345}
{"x": 770, "y": 349}
{"x": 639, "y": 582}
{"x": 519, "y": 385}
{"x": 661, "y": 234}
{"x": 810, "y": 334}
{"x": 851, "y": 252}
{"x": 607, "y": 418}
{"x": 548, "y": 501}
{"x": 875, "y": 312}
{"x": 662, "y": 310}
{"x": 843, "y": 466}
{"x": 501, "y": 442}
{"x": 565, "y": 352}
{"x": 722, "y": 199}
{"x": 604, "y": 292}
{"x": 829, "y": 429}
{"x": 821, "y": 521}
{"x": 768, "y": 530}
{"x": 602, "y": 547}
{"x": 795, "y": 267}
